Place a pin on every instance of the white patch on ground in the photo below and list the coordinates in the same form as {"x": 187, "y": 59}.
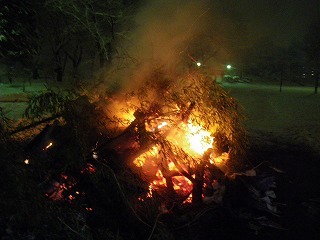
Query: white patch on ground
{"x": 14, "y": 97}
{"x": 293, "y": 114}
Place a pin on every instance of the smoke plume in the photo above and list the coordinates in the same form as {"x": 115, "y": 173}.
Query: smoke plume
{"x": 168, "y": 35}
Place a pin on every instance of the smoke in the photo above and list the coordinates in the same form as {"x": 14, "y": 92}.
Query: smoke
{"x": 165, "y": 28}
{"x": 169, "y": 35}
{"x": 172, "y": 34}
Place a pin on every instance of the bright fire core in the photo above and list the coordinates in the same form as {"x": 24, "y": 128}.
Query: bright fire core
{"x": 192, "y": 139}
{"x": 199, "y": 139}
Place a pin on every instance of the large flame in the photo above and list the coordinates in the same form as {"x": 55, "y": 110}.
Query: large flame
{"x": 191, "y": 138}
{"x": 198, "y": 138}
{"x": 160, "y": 165}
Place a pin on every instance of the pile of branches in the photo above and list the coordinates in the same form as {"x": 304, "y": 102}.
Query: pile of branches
{"x": 76, "y": 172}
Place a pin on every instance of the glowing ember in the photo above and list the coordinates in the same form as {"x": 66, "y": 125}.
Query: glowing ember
{"x": 95, "y": 155}
{"x": 89, "y": 168}
{"x": 71, "y": 197}
{"x": 189, "y": 199}
{"x": 161, "y": 181}
{"x": 149, "y": 194}
{"x": 182, "y": 185}
{"x": 48, "y": 146}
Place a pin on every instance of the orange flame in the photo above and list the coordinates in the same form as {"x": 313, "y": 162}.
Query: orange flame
{"x": 192, "y": 138}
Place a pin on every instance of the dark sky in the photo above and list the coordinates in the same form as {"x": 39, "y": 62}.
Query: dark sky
{"x": 284, "y": 20}
{"x": 167, "y": 32}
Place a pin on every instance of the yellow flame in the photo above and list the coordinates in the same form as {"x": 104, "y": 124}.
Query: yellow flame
{"x": 140, "y": 161}
{"x": 200, "y": 140}
{"x": 163, "y": 124}
{"x": 128, "y": 116}
{"x": 219, "y": 159}
{"x": 160, "y": 181}
{"x": 193, "y": 139}
{"x": 172, "y": 167}
{"x": 189, "y": 199}
{"x": 182, "y": 185}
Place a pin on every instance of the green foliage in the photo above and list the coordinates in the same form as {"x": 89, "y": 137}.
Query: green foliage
{"x": 16, "y": 28}
{"x": 49, "y": 102}
{"x": 5, "y": 124}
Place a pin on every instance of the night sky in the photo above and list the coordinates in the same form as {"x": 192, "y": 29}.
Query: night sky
{"x": 284, "y": 20}
{"x": 211, "y": 31}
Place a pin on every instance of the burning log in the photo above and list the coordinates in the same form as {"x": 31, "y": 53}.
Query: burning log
{"x": 143, "y": 134}
{"x": 42, "y": 140}
{"x": 136, "y": 139}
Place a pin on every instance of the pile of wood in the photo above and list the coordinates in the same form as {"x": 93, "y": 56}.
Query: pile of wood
{"x": 88, "y": 166}
{"x": 71, "y": 183}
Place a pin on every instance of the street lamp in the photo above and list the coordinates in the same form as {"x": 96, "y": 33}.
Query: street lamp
{"x": 229, "y": 66}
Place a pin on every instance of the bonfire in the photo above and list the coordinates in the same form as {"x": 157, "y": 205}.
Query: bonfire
{"x": 173, "y": 142}
{"x": 175, "y": 132}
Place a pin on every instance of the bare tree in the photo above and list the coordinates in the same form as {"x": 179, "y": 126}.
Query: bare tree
{"x": 98, "y": 18}
{"x": 59, "y": 40}
{"x": 312, "y": 48}
{"x": 75, "y": 55}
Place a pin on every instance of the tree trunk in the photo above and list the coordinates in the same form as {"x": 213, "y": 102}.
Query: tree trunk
{"x": 197, "y": 191}
{"x": 197, "y": 186}
{"x": 35, "y": 73}
{"x": 59, "y": 73}
{"x": 101, "y": 59}
{"x": 316, "y": 84}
